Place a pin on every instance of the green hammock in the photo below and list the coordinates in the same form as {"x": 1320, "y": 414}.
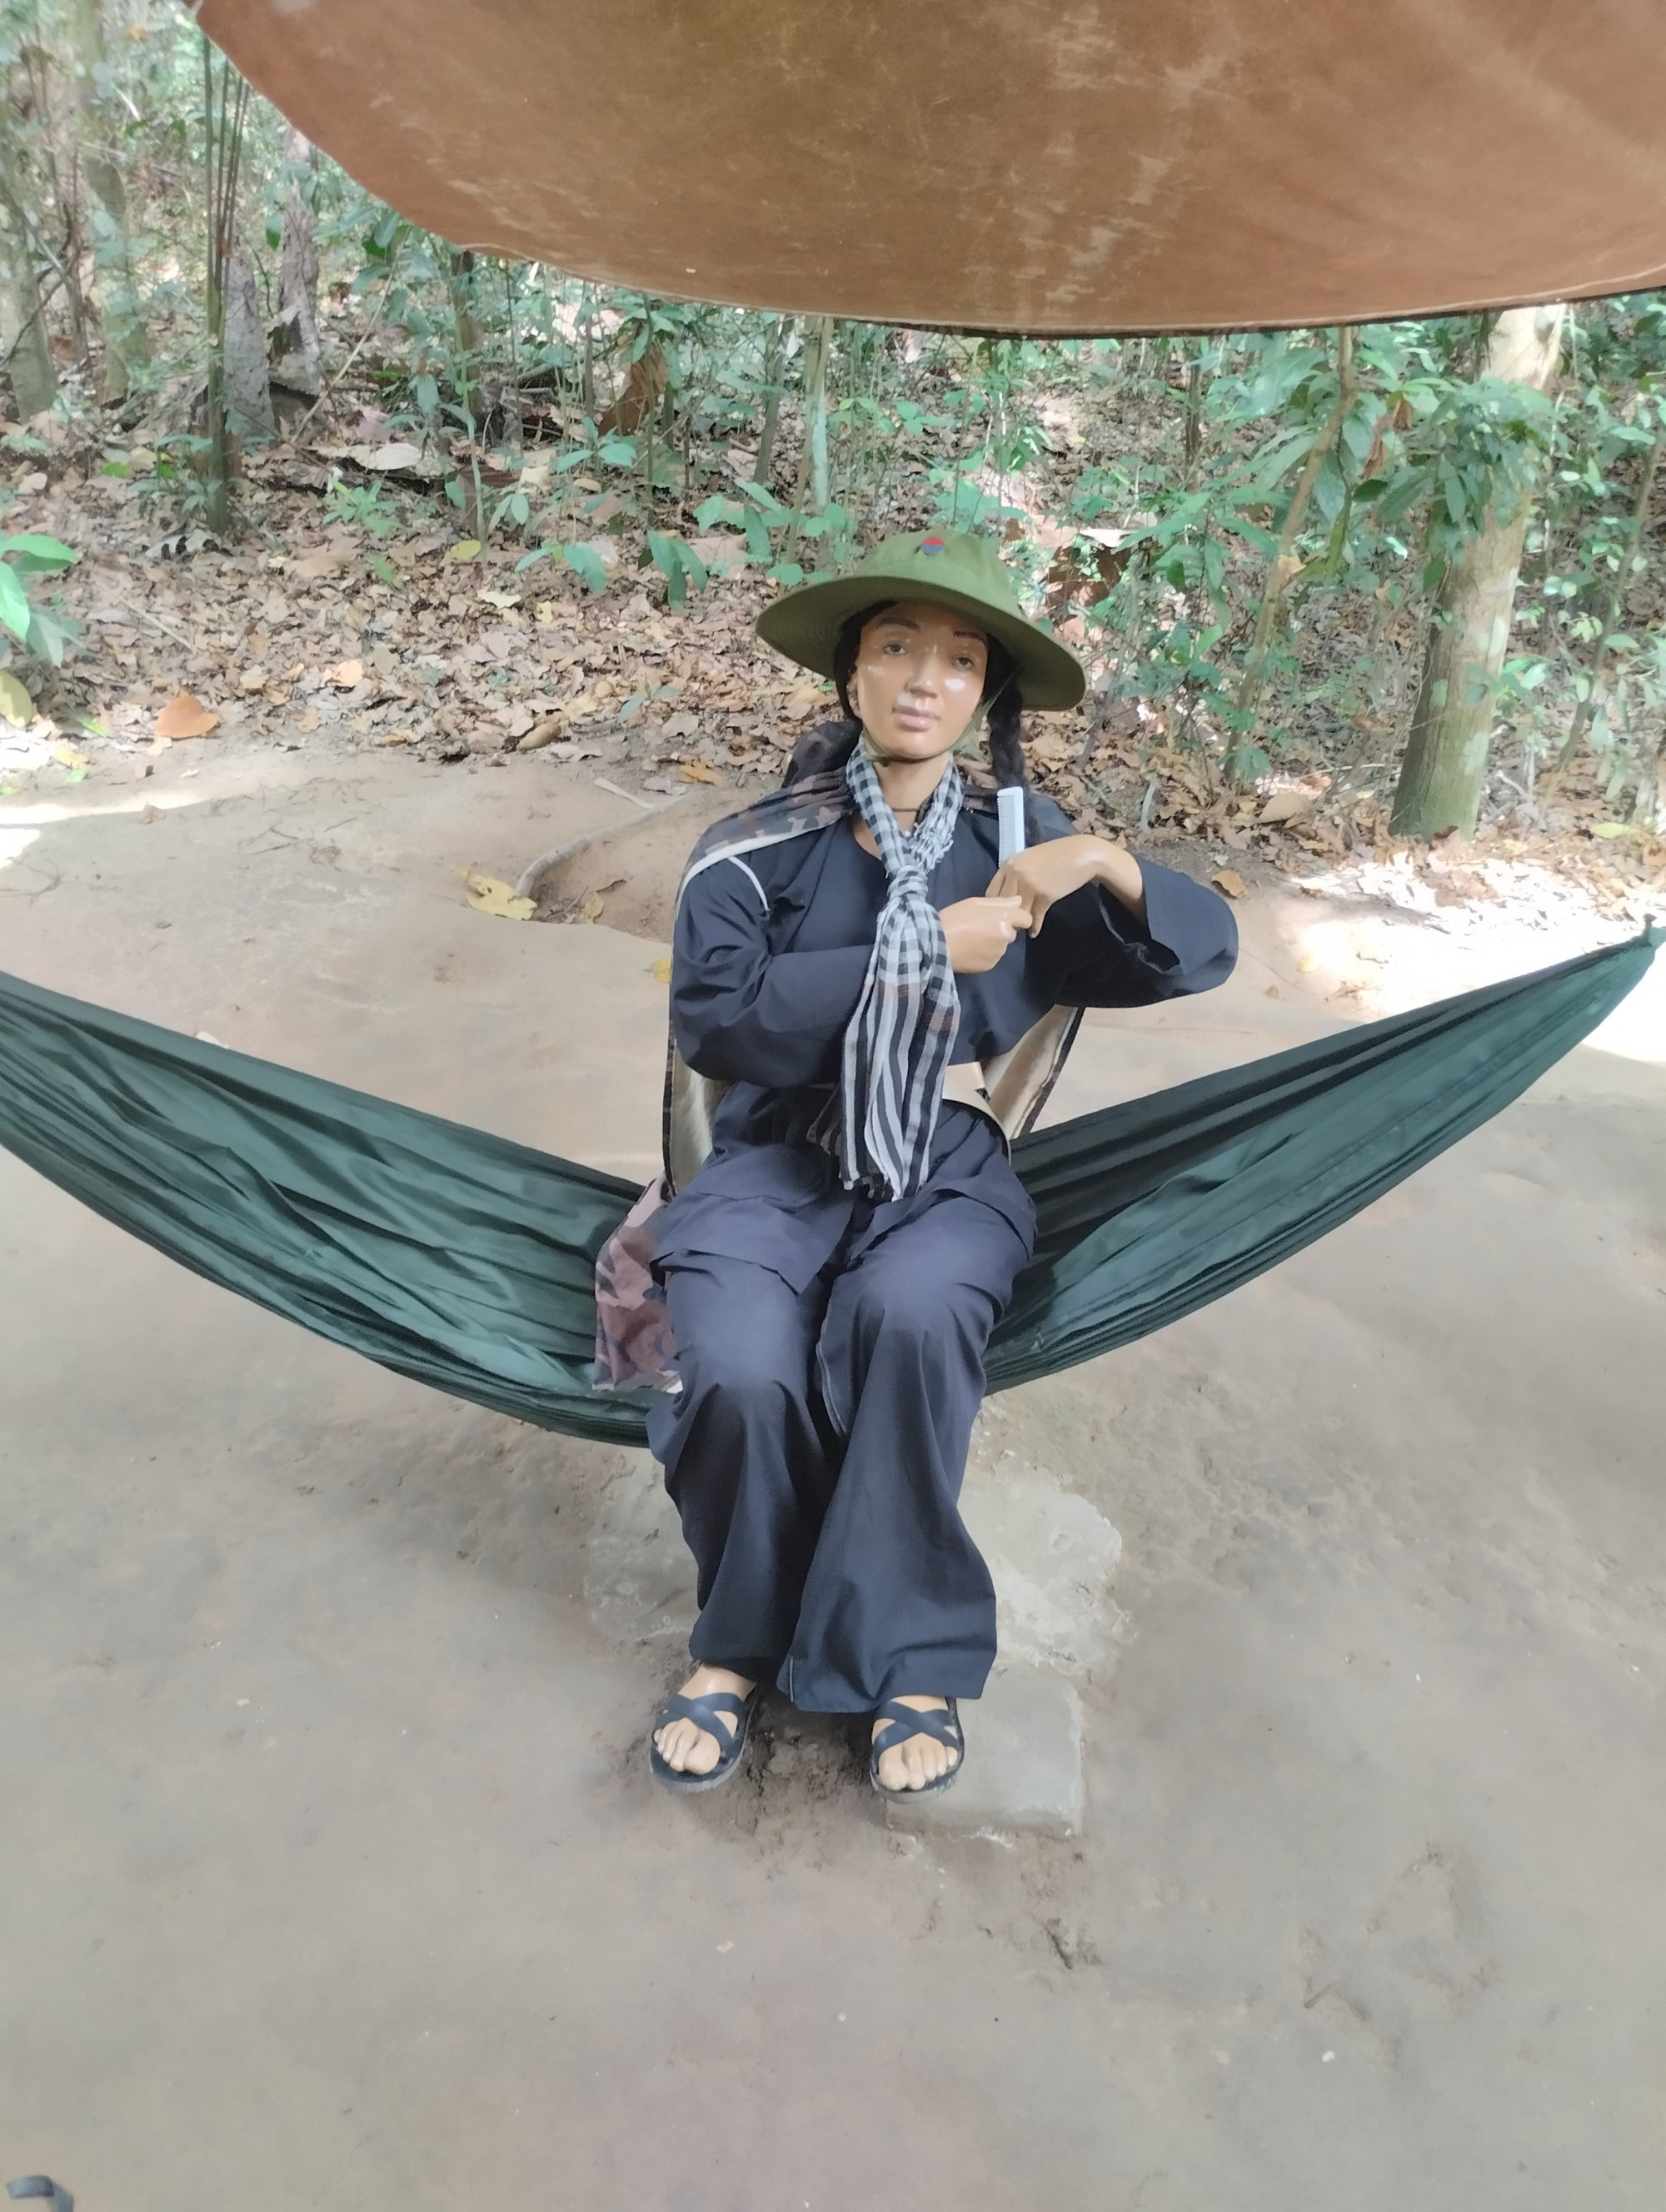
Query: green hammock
{"x": 465, "y": 1262}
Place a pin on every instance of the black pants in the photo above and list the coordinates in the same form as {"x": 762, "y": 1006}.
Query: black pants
{"x": 816, "y": 1451}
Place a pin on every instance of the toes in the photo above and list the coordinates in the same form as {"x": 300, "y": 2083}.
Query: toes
{"x": 908, "y": 1766}
{"x": 919, "y": 1760}
{"x": 914, "y": 1764}
{"x": 686, "y": 1749}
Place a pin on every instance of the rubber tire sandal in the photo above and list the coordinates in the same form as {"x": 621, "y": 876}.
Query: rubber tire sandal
{"x": 905, "y": 1721}
{"x": 703, "y": 1712}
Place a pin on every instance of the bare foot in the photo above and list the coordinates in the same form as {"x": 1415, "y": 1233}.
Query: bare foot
{"x": 922, "y": 1759}
{"x": 691, "y": 1750}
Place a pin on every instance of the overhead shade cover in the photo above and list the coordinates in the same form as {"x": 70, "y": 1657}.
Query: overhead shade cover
{"x": 1102, "y": 166}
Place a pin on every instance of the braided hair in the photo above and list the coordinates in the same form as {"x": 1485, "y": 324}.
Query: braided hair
{"x": 830, "y": 744}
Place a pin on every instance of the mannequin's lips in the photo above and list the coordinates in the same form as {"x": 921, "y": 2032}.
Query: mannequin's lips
{"x": 912, "y": 718}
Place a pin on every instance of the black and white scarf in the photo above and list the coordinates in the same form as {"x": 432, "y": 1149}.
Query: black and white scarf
{"x": 879, "y": 1122}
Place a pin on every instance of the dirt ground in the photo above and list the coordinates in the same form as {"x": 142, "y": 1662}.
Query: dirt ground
{"x": 332, "y": 1873}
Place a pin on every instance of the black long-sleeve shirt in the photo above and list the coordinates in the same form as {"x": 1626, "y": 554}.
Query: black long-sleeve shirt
{"x": 770, "y": 954}
{"x": 771, "y": 950}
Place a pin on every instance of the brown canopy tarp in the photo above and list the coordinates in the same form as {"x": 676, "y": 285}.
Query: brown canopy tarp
{"x": 1050, "y": 166}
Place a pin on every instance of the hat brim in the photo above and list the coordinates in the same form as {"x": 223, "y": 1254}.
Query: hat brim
{"x": 804, "y": 624}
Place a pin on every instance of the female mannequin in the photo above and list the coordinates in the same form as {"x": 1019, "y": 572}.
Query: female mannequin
{"x": 832, "y": 1272}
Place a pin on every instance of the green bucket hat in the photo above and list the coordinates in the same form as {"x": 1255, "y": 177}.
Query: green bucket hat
{"x": 946, "y": 567}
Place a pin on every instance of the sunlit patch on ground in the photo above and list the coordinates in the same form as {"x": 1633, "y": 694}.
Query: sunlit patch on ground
{"x": 1407, "y": 932}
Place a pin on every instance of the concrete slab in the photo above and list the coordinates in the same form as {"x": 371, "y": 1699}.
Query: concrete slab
{"x": 1052, "y": 1555}
{"x": 1024, "y": 1763}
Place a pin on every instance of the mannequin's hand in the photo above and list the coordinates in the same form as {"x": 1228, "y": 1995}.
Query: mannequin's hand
{"x": 979, "y": 930}
{"x": 1046, "y": 872}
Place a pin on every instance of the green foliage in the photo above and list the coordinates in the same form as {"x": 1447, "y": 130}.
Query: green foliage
{"x": 361, "y": 506}
{"x": 1426, "y": 450}
{"x": 27, "y": 559}
{"x": 756, "y": 513}
{"x": 678, "y": 564}
{"x": 586, "y": 565}
{"x": 178, "y": 481}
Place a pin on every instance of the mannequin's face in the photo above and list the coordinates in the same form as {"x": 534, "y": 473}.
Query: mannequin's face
{"x": 918, "y": 679}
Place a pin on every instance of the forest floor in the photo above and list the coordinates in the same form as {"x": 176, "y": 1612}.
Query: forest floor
{"x": 333, "y": 1871}
{"x": 332, "y": 640}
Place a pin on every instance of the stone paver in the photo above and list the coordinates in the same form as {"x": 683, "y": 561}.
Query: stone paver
{"x": 1024, "y": 1762}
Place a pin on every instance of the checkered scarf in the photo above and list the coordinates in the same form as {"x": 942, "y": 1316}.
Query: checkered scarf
{"x": 879, "y": 1122}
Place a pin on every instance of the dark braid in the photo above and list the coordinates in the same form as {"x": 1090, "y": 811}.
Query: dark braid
{"x": 828, "y": 745}
{"x": 1006, "y": 727}
{"x": 846, "y": 649}
{"x": 831, "y": 745}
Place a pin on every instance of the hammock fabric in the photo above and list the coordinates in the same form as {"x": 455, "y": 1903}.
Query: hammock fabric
{"x": 1110, "y": 166}
{"x": 466, "y": 1262}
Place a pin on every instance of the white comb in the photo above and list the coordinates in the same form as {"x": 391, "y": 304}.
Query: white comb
{"x": 1009, "y": 802}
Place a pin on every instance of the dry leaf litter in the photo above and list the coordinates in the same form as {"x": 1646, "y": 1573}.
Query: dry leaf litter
{"x": 305, "y": 636}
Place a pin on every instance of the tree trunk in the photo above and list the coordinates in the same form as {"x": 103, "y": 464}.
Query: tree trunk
{"x": 1192, "y": 433}
{"x": 225, "y": 114}
{"x": 775, "y": 365}
{"x": 587, "y": 386}
{"x": 127, "y": 346}
{"x": 465, "y": 321}
{"x": 248, "y": 385}
{"x": 295, "y": 333}
{"x": 815, "y": 402}
{"x": 1445, "y": 771}
{"x": 812, "y": 458}
{"x": 25, "y": 353}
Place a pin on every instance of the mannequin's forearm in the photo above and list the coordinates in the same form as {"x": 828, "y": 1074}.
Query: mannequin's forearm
{"x": 1119, "y": 872}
